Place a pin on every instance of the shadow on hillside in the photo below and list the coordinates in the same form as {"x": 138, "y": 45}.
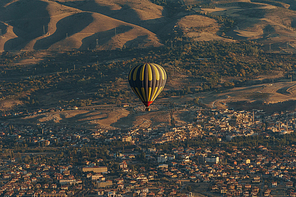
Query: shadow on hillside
{"x": 235, "y": 35}
{"x": 4, "y": 2}
{"x": 3, "y": 29}
{"x": 137, "y": 42}
{"x": 253, "y": 13}
{"x": 65, "y": 27}
{"x": 90, "y": 5}
{"x": 284, "y": 90}
{"x": 33, "y": 119}
{"x": 243, "y": 5}
{"x": 292, "y": 4}
{"x": 125, "y": 122}
{"x": 28, "y": 24}
{"x": 250, "y": 14}
{"x": 293, "y": 23}
{"x": 126, "y": 13}
{"x": 268, "y": 108}
{"x": 81, "y": 118}
{"x": 268, "y": 30}
{"x": 241, "y": 24}
{"x": 134, "y": 120}
{"x": 101, "y": 38}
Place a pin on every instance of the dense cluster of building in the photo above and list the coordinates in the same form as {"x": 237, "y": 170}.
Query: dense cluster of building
{"x": 37, "y": 179}
{"x": 219, "y": 170}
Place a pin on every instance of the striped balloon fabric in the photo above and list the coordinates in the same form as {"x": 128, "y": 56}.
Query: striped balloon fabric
{"x": 147, "y": 81}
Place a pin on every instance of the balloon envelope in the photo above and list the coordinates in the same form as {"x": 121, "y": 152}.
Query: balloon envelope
{"x": 147, "y": 81}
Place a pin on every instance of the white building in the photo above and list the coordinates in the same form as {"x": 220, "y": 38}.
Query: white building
{"x": 212, "y": 159}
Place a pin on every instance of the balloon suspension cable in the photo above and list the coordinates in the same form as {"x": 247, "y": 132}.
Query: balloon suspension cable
{"x": 147, "y": 109}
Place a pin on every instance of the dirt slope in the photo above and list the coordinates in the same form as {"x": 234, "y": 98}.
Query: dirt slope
{"x": 111, "y": 24}
{"x": 66, "y": 25}
{"x": 259, "y": 21}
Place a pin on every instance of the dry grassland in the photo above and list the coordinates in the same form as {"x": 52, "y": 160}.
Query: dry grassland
{"x": 115, "y": 117}
{"x": 102, "y": 24}
{"x": 9, "y": 104}
{"x": 269, "y": 93}
{"x": 200, "y": 28}
{"x": 258, "y": 21}
{"x": 67, "y": 25}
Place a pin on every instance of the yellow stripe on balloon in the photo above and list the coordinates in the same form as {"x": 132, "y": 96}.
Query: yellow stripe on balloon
{"x": 149, "y": 72}
{"x": 159, "y": 91}
{"x": 155, "y": 72}
{"x": 165, "y": 75}
{"x": 143, "y": 94}
{"x": 153, "y": 94}
{"x": 149, "y": 93}
{"x": 135, "y": 73}
{"x": 162, "y": 74}
{"x": 142, "y": 73}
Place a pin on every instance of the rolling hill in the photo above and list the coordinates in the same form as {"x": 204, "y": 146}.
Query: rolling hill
{"x": 117, "y": 24}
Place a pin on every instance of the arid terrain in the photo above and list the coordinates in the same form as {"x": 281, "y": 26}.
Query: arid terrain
{"x": 270, "y": 97}
{"x": 117, "y": 24}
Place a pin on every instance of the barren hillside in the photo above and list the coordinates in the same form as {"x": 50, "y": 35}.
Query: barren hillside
{"x": 102, "y": 24}
{"x": 64, "y": 25}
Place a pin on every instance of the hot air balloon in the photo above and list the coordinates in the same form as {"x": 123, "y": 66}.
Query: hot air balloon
{"x": 147, "y": 81}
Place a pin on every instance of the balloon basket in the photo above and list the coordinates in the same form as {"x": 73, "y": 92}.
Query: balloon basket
{"x": 147, "y": 109}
